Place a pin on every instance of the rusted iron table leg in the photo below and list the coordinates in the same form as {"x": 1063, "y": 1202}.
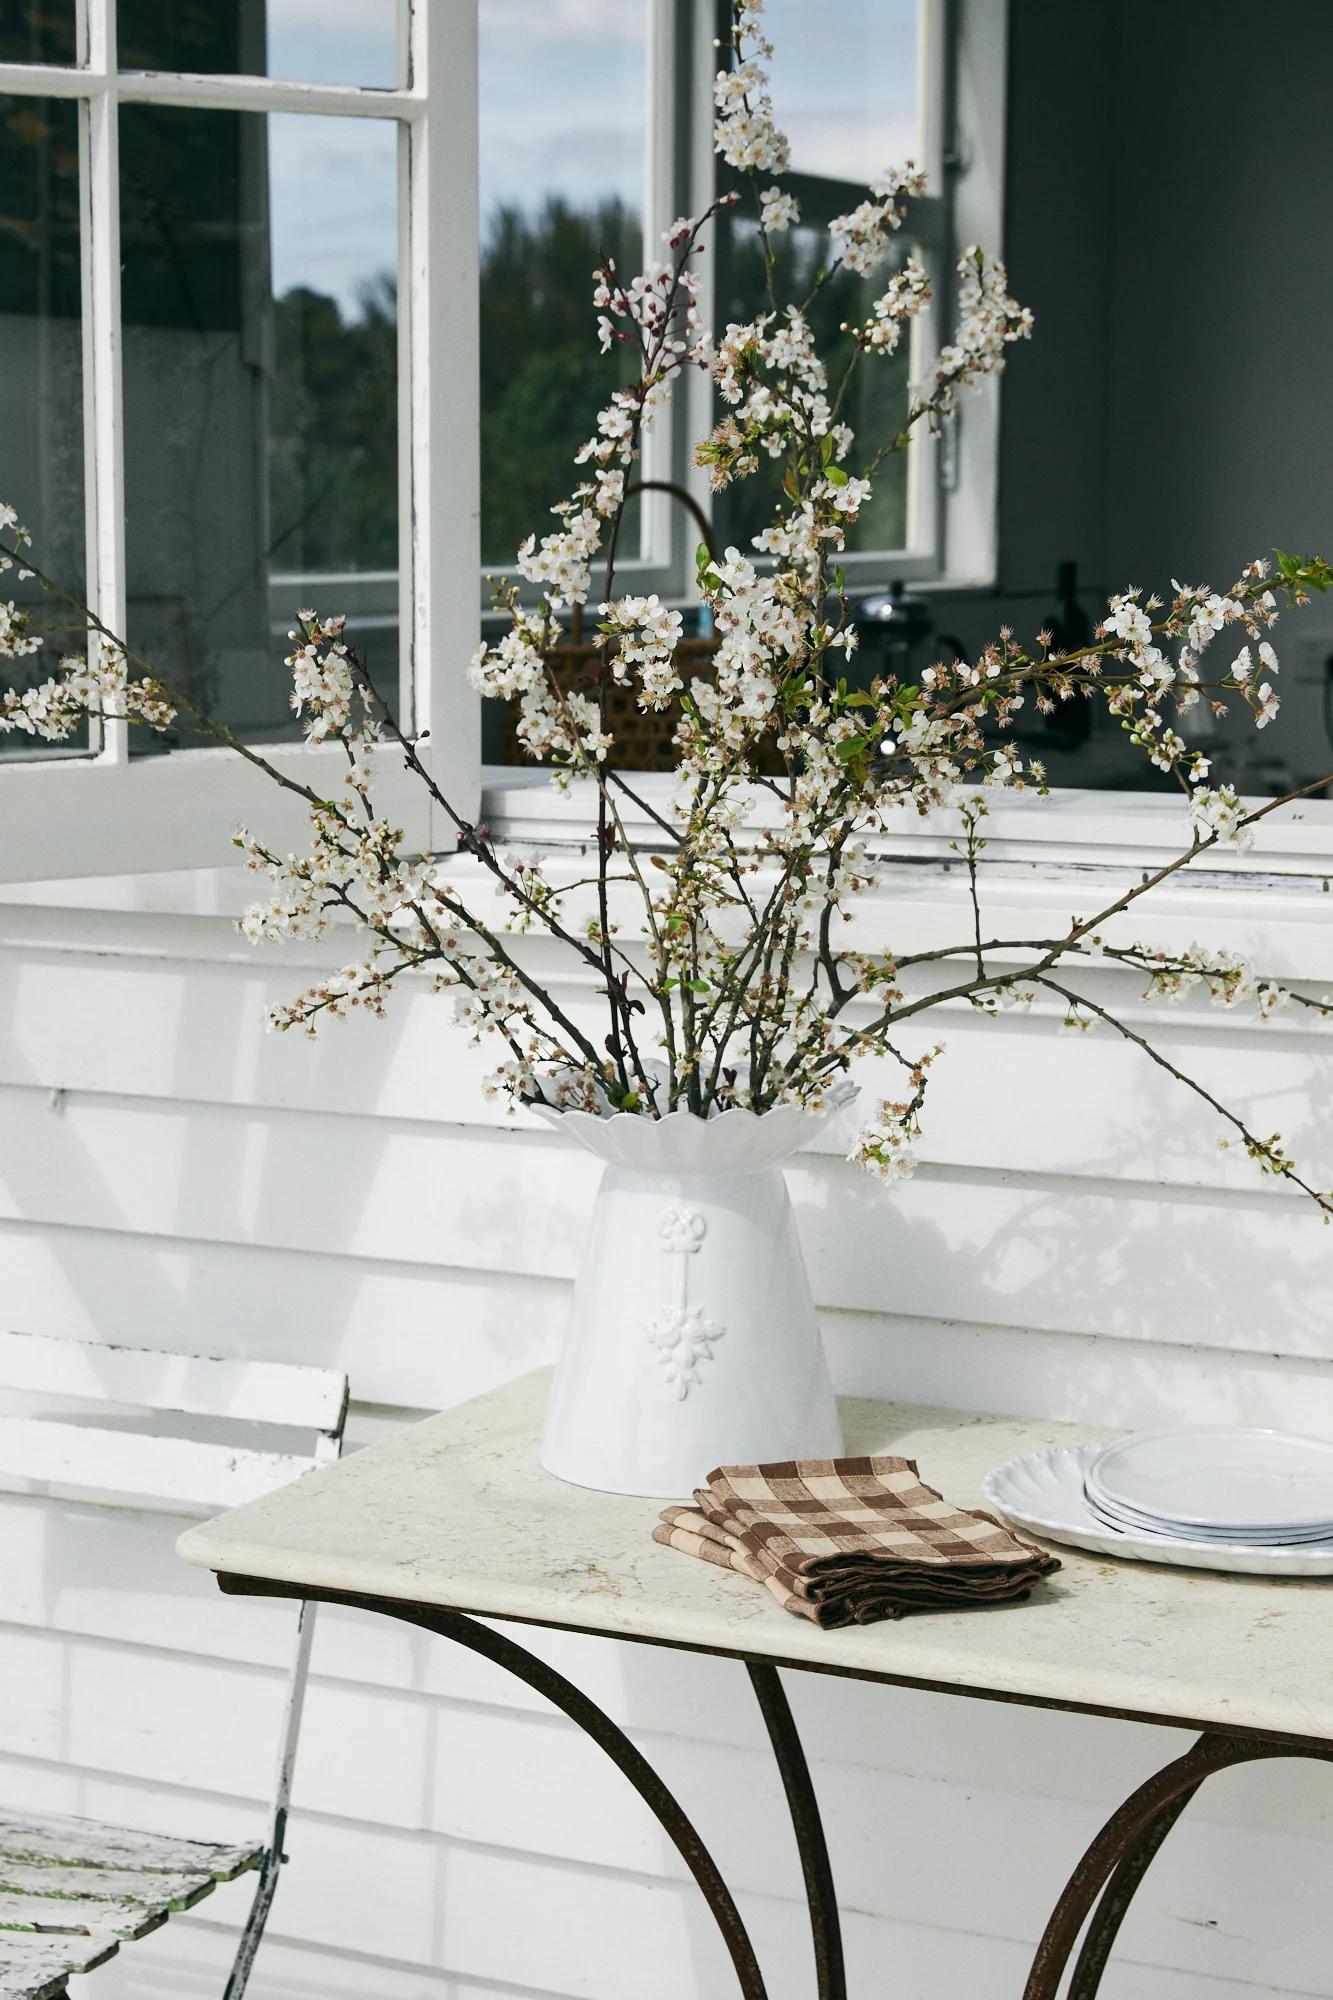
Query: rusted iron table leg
{"x": 593, "y": 1721}
{"x": 820, "y": 1894}
{"x": 1117, "y": 1896}
{"x": 1120, "y": 1856}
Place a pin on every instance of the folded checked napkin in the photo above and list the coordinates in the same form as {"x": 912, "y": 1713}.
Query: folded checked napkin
{"x": 845, "y": 1541}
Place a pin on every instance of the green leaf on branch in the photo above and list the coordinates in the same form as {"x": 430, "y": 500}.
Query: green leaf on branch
{"x": 850, "y": 747}
{"x": 836, "y": 475}
{"x": 1303, "y": 572}
{"x": 697, "y": 986}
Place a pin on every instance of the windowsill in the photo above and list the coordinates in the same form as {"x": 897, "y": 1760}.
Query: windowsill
{"x": 1040, "y": 853}
{"x": 1067, "y": 829}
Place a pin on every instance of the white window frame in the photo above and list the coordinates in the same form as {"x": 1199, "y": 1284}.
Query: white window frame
{"x": 106, "y": 813}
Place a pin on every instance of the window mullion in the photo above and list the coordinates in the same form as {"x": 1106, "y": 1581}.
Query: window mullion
{"x": 660, "y": 208}
{"x": 439, "y": 286}
{"x": 696, "y": 64}
{"x": 99, "y": 202}
{"x": 187, "y": 89}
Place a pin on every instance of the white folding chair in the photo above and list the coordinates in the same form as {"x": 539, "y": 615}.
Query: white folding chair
{"x": 73, "y": 1890}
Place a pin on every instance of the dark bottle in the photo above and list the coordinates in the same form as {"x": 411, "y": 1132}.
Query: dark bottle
{"x": 1069, "y": 627}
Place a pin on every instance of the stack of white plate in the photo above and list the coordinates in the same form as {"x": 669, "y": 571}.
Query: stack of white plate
{"x": 1205, "y": 1496}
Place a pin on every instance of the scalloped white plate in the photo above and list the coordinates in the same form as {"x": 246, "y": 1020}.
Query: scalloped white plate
{"x": 1134, "y": 1524}
{"x": 1218, "y": 1477}
{"x": 1043, "y": 1491}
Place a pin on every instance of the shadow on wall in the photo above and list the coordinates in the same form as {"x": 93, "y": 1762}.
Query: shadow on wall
{"x": 355, "y": 1201}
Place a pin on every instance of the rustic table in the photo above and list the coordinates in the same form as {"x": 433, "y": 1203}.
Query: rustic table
{"x": 453, "y": 1520}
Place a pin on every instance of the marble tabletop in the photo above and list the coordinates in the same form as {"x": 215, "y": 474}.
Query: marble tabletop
{"x": 456, "y": 1512}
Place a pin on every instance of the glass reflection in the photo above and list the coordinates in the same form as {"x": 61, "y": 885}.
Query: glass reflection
{"x": 260, "y": 375}
{"x": 302, "y": 41}
{"x": 563, "y": 138}
{"x": 39, "y": 31}
{"x": 41, "y": 363}
{"x": 845, "y": 85}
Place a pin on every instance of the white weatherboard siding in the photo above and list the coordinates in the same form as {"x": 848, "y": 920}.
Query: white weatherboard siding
{"x": 1074, "y": 1245}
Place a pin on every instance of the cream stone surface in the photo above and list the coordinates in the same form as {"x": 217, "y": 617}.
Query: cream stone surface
{"x": 457, "y": 1512}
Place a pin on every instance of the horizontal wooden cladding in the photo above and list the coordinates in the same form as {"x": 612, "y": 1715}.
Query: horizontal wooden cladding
{"x": 1137, "y": 1261}
{"x": 418, "y": 1821}
{"x": 190, "y": 915}
{"x": 1019, "y": 1092}
{"x": 502, "y": 1807}
{"x": 396, "y": 1753}
{"x": 419, "y": 1336}
{"x": 432, "y": 1793}
{"x": 423, "y": 1337}
{"x": 353, "y": 1204}
{"x": 189, "y": 1962}
{"x": 124, "y": 1599}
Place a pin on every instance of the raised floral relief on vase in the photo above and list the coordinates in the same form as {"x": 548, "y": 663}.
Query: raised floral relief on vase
{"x": 682, "y": 1335}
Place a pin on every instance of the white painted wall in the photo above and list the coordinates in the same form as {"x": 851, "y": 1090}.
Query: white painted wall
{"x": 1074, "y": 1245}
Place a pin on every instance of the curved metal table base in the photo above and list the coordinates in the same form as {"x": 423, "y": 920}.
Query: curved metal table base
{"x": 1121, "y": 1855}
{"x": 593, "y": 1721}
{"x": 1102, "y": 1886}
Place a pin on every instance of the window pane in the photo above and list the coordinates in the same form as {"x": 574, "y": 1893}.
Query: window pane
{"x": 564, "y": 136}
{"x": 845, "y": 84}
{"x": 306, "y": 41}
{"x": 875, "y": 406}
{"x": 37, "y": 31}
{"x": 845, "y": 90}
{"x": 260, "y": 337}
{"x": 41, "y": 379}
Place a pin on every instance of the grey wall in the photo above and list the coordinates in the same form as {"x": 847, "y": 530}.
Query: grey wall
{"x": 1170, "y": 168}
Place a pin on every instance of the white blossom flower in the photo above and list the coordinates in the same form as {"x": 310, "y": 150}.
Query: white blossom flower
{"x": 1220, "y": 813}
{"x": 646, "y": 635}
{"x": 861, "y": 237}
{"x": 908, "y": 291}
{"x": 744, "y": 132}
{"x": 778, "y": 211}
{"x": 989, "y": 321}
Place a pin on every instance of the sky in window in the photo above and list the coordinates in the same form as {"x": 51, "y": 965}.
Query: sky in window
{"x": 334, "y": 41}
{"x": 564, "y": 111}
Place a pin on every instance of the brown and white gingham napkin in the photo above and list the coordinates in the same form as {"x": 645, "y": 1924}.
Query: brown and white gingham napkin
{"x": 847, "y": 1540}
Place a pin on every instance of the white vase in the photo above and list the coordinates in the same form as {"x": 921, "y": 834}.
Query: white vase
{"x": 692, "y": 1338}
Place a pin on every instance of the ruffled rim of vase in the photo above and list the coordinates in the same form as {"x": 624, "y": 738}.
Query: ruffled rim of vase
{"x": 738, "y": 1141}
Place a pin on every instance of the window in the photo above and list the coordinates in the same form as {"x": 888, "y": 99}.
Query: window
{"x": 246, "y": 252}
{"x": 595, "y": 132}
{"x": 238, "y": 283}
